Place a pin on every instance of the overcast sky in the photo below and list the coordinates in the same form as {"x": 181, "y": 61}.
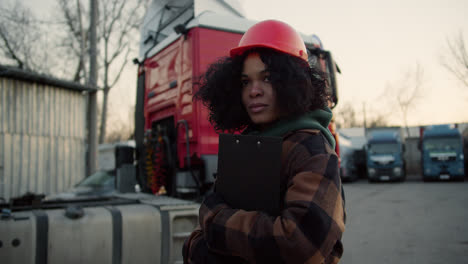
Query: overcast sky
{"x": 374, "y": 43}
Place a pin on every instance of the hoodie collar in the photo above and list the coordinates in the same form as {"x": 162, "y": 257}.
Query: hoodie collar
{"x": 317, "y": 119}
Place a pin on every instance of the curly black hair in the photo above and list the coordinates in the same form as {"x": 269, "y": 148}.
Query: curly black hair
{"x": 299, "y": 88}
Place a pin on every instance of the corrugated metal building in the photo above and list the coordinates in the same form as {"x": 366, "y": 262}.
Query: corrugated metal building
{"x": 42, "y": 133}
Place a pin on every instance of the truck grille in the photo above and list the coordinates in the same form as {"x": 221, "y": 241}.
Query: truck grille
{"x": 439, "y": 159}
{"x": 386, "y": 171}
{"x": 384, "y": 163}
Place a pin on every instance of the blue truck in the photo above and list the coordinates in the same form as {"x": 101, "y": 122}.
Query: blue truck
{"x": 384, "y": 155}
{"x": 442, "y": 153}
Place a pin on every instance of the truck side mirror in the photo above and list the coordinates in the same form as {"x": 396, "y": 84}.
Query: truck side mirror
{"x": 323, "y": 60}
{"x": 332, "y": 68}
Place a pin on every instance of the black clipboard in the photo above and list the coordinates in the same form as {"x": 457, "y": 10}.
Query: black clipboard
{"x": 249, "y": 170}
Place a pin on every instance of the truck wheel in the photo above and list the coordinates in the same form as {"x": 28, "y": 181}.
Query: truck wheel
{"x": 403, "y": 178}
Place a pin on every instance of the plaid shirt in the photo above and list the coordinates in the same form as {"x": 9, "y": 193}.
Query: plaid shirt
{"x": 309, "y": 228}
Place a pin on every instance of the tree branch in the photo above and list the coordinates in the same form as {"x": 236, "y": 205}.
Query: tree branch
{"x": 10, "y": 51}
{"x": 459, "y": 65}
{"x": 117, "y": 77}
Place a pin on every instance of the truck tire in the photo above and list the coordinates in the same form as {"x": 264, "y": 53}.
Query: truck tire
{"x": 403, "y": 178}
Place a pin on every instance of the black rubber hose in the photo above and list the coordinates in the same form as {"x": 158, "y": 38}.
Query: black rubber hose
{"x": 197, "y": 181}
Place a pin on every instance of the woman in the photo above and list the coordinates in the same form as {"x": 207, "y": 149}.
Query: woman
{"x": 266, "y": 87}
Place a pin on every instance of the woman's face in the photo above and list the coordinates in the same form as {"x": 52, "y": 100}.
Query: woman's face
{"x": 258, "y": 95}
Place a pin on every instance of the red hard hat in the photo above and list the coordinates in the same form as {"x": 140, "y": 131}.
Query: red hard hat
{"x": 272, "y": 34}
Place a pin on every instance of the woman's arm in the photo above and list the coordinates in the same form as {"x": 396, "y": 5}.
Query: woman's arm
{"x": 309, "y": 227}
{"x": 195, "y": 251}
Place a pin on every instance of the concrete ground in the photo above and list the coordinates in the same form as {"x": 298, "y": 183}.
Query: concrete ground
{"x": 409, "y": 222}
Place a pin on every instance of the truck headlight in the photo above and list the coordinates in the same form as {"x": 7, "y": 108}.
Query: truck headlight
{"x": 397, "y": 171}
{"x": 462, "y": 157}
{"x": 371, "y": 171}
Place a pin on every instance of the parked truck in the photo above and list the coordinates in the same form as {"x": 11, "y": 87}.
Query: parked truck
{"x": 384, "y": 152}
{"x": 174, "y": 159}
{"x": 442, "y": 155}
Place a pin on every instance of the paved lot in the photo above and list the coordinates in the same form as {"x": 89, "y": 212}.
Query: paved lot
{"x": 409, "y": 222}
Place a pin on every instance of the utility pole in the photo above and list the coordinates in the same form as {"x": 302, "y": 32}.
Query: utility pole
{"x": 365, "y": 121}
{"x": 92, "y": 103}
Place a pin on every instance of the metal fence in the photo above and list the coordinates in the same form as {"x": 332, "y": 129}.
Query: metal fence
{"x": 42, "y": 135}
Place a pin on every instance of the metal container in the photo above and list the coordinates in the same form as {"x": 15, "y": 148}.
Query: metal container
{"x": 131, "y": 228}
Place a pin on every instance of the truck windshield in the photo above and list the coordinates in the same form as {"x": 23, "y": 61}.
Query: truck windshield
{"x": 440, "y": 144}
{"x": 383, "y": 148}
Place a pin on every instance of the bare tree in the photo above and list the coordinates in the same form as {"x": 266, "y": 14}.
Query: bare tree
{"x": 457, "y": 60}
{"x": 345, "y": 116}
{"x": 375, "y": 118}
{"x": 22, "y": 41}
{"x": 407, "y": 91}
{"x": 118, "y": 24}
{"x": 74, "y": 42}
{"x": 379, "y": 120}
{"x": 122, "y": 129}
{"x": 120, "y": 20}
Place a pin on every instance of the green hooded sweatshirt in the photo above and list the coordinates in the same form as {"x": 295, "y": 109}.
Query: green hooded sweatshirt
{"x": 317, "y": 119}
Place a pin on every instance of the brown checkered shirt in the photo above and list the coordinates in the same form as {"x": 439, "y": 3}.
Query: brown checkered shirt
{"x": 309, "y": 228}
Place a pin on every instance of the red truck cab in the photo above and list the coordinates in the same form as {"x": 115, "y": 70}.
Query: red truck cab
{"x": 176, "y": 145}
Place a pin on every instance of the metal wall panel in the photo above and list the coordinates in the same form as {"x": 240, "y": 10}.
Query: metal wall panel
{"x": 42, "y": 138}
{"x": 412, "y": 156}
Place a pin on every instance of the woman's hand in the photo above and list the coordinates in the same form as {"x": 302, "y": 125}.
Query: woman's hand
{"x": 211, "y": 205}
